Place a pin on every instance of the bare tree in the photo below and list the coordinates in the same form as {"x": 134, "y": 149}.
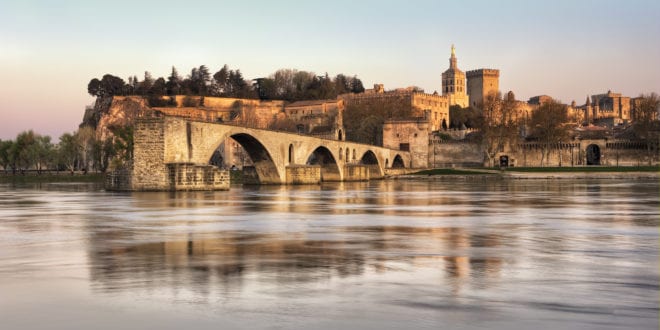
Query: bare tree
{"x": 647, "y": 126}
{"x": 498, "y": 124}
{"x": 550, "y": 126}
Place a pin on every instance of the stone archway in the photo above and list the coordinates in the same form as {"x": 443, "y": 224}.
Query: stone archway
{"x": 371, "y": 161}
{"x": 593, "y": 154}
{"x": 264, "y": 170}
{"x": 329, "y": 169}
{"x": 398, "y": 162}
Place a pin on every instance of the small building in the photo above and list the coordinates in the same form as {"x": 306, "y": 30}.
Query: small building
{"x": 409, "y": 135}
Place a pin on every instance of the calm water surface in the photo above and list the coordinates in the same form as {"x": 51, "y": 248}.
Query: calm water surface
{"x": 388, "y": 254}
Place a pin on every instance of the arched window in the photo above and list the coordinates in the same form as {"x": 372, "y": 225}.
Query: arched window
{"x": 291, "y": 153}
{"x": 340, "y": 153}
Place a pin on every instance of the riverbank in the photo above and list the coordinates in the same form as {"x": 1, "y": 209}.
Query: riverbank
{"x": 51, "y": 177}
{"x": 630, "y": 173}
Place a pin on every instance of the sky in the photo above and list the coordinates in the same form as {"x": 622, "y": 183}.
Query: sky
{"x": 50, "y": 50}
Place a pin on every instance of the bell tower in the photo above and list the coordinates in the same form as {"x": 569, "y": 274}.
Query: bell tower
{"x": 453, "y": 82}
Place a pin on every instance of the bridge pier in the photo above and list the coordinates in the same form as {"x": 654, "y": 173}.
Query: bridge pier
{"x": 303, "y": 174}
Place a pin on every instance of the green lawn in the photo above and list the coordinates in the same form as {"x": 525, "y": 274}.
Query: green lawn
{"x": 585, "y": 169}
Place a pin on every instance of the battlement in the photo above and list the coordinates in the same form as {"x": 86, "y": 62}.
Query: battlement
{"x": 494, "y": 73}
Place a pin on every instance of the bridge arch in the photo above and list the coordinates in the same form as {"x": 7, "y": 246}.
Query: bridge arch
{"x": 370, "y": 160}
{"x": 397, "y": 162}
{"x": 323, "y": 157}
{"x": 265, "y": 169}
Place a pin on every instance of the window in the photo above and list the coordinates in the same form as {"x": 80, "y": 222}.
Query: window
{"x": 404, "y": 146}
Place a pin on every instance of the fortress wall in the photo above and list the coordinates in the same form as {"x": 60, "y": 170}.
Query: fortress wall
{"x": 455, "y": 154}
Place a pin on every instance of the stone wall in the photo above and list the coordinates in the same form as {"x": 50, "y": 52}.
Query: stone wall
{"x": 303, "y": 174}
{"x": 356, "y": 173}
{"x": 455, "y": 154}
{"x": 197, "y": 177}
{"x": 149, "y": 169}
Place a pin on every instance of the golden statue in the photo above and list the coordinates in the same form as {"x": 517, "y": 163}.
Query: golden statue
{"x": 453, "y": 50}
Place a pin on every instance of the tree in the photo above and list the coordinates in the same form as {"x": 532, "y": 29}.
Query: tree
{"x": 203, "y": 79}
{"x": 67, "y": 154}
{"x": 42, "y": 153}
{"x": 144, "y": 87}
{"x": 123, "y": 143}
{"x": 497, "y": 124}
{"x": 549, "y": 126}
{"x": 356, "y": 85}
{"x": 109, "y": 85}
{"x": 5, "y": 154}
{"x": 85, "y": 138}
{"x": 220, "y": 79}
{"x": 23, "y": 149}
{"x": 173, "y": 84}
{"x": 646, "y": 124}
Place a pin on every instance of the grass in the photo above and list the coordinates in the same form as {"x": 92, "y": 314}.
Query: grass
{"x": 51, "y": 178}
{"x": 582, "y": 169}
{"x": 449, "y": 171}
{"x": 587, "y": 169}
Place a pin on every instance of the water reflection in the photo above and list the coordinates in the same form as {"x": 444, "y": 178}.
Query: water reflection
{"x": 221, "y": 263}
{"x": 479, "y": 253}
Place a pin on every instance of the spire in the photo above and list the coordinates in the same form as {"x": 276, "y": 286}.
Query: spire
{"x": 588, "y": 101}
{"x": 452, "y": 59}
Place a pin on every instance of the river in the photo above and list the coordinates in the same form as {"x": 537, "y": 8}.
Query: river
{"x": 451, "y": 254}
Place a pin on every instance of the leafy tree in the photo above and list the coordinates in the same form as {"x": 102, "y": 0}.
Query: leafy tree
{"x": 265, "y": 88}
{"x": 109, "y": 85}
{"x": 23, "y": 149}
{"x": 42, "y": 153}
{"x": 6, "y": 159}
{"x": 68, "y": 151}
{"x": 123, "y": 143}
{"x": 173, "y": 85}
{"x": 203, "y": 79}
{"x": 356, "y": 85}
{"x": 550, "y": 126}
{"x": 220, "y": 81}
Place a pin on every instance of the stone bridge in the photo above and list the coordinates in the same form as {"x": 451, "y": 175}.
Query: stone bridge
{"x": 172, "y": 153}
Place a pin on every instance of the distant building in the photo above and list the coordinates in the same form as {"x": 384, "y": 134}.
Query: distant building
{"x": 453, "y": 83}
{"x": 433, "y": 107}
{"x": 540, "y": 100}
{"x": 609, "y": 107}
{"x": 322, "y": 118}
{"x": 480, "y": 83}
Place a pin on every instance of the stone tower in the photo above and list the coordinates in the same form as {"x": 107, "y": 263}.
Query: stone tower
{"x": 481, "y": 83}
{"x": 453, "y": 83}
